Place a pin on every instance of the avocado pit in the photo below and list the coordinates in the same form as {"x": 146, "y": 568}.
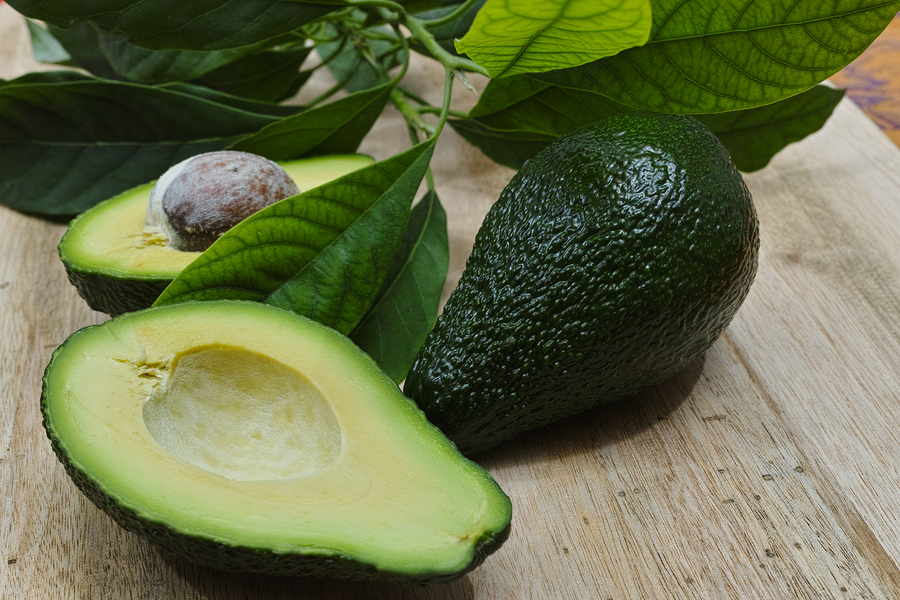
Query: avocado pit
{"x": 202, "y": 197}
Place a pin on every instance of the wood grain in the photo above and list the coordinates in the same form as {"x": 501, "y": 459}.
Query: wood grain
{"x": 767, "y": 470}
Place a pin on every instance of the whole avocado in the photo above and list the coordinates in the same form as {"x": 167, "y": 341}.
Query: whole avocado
{"x": 612, "y": 260}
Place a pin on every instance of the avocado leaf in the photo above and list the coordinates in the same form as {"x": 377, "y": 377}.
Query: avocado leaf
{"x": 516, "y": 117}
{"x": 260, "y": 107}
{"x": 45, "y": 47}
{"x": 267, "y": 75}
{"x": 509, "y": 147}
{"x": 82, "y": 43}
{"x": 521, "y": 102}
{"x": 509, "y": 37}
{"x": 703, "y": 59}
{"x": 70, "y": 141}
{"x": 755, "y": 135}
{"x": 177, "y": 24}
{"x": 447, "y": 32}
{"x": 143, "y": 65}
{"x": 362, "y": 65}
{"x": 406, "y": 307}
{"x": 334, "y": 128}
{"x": 324, "y": 253}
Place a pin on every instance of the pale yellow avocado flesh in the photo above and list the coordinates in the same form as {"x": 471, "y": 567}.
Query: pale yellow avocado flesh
{"x": 254, "y": 427}
{"x": 110, "y": 239}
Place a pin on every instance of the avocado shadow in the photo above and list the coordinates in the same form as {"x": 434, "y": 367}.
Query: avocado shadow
{"x": 601, "y": 426}
{"x": 198, "y": 581}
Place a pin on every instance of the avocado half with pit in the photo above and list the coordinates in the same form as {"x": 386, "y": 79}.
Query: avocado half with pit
{"x": 245, "y": 437}
{"x": 117, "y": 265}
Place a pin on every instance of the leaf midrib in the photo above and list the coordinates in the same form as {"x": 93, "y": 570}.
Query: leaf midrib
{"x": 531, "y": 39}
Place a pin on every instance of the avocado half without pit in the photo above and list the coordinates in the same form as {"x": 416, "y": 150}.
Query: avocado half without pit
{"x": 245, "y": 437}
{"x": 122, "y": 253}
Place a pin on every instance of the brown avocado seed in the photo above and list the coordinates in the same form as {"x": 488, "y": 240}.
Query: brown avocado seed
{"x": 200, "y": 198}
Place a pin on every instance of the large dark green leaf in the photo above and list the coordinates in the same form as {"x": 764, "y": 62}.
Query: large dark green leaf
{"x": 509, "y": 37}
{"x": 514, "y": 110}
{"x": 268, "y": 75}
{"x": 334, "y": 128}
{"x": 706, "y": 57}
{"x": 158, "y": 66}
{"x": 507, "y": 147}
{"x": 68, "y": 142}
{"x": 254, "y": 106}
{"x": 181, "y": 24}
{"x": 324, "y": 253}
{"x": 755, "y": 135}
{"x": 82, "y": 43}
{"x": 404, "y": 313}
{"x": 523, "y": 103}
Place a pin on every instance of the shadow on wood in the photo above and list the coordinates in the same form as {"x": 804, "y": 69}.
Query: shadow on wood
{"x": 604, "y": 425}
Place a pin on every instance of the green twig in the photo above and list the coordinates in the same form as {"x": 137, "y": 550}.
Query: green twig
{"x": 451, "y": 62}
{"x": 445, "y": 111}
{"x": 411, "y": 114}
{"x": 436, "y": 110}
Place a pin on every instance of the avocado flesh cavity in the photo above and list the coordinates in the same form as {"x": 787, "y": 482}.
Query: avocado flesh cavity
{"x": 611, "y": 261}
{"x": 117, "y": 265}
{"x": 245, "y": 437}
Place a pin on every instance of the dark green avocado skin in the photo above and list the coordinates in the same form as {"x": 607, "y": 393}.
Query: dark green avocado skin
{"x": 112, "y": 295}
{"x": 612, "y": 260}
{"x": 212, "y": 553}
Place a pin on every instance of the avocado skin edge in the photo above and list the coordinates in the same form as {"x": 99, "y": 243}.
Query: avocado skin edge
{"x": 208, "y": 552}
{"x": 612, "y": 260}
{"x": 112, "y": 295}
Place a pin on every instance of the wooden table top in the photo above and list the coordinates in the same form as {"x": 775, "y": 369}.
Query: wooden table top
{"x": 770, "y": 469}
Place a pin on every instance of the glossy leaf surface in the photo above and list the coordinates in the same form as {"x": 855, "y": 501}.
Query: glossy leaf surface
{"x": 334, "y": 128}
{"x": 509, "y": 37}
{"x": 68, "y": 141}
{"x": 404, "y": 313}
{"x": 517, "y": 116}
{"x": 706, "y": 57}
{"x": 180, "y": 24}
{"x": 755, "y": 135}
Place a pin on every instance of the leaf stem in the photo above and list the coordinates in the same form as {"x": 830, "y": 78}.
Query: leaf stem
{"x": 436, "y": 110}
{"x": 451, "y": 62}
{"x": 411, "y": 113}
{"x": 445, "y": 109}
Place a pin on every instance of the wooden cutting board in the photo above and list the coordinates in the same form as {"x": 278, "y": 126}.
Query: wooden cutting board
{"x": 770, "y": 469}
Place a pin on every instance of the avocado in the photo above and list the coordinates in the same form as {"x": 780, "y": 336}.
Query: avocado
{"x": 118, "y": 265}
{"x": 245, "y": 437}
{"x": 612, "y": 260}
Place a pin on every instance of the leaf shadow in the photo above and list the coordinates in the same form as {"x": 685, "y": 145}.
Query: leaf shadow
{"x": 602, "y": 426}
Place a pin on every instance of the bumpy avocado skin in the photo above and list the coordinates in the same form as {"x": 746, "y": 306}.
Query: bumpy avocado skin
{"x": 612, "y": 260}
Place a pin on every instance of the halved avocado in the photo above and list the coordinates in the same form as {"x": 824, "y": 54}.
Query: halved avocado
{"x": 245, "y": 437}
{"x": 118, "y": 267}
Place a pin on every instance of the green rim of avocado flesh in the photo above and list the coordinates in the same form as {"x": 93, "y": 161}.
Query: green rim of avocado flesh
{"x": 117, "y": 267}
{"x": 245, "y": 437}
